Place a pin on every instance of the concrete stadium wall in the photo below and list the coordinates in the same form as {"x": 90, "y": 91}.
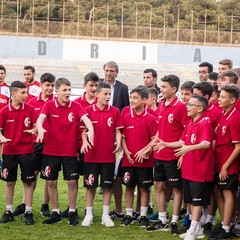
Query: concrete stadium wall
{"x": 73, "y": 58}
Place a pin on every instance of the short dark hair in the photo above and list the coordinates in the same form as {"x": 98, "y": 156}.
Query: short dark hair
{"x": 29, "y": 67}
{"x": 153, "y": 92}
{"x": 172, "y": 79}
{"x": 232, "y": 90}
{"x": 188, "y": 85}
{"x": 47, "y": 77}
{"x": 148, "y": 70}
{"x": 231, "y": 74}
{"x": 213, "y": 76}
{"x": 102, "y": 85}
{"x": 141, "y": 90}
{"x": 205, "y": 88}
{"x": 3, "y": 68}
{"x": 17, "y": 85}
{"x": 112, "y": 64}
{"x": 62, "y": 81}
{"x": 215, "y": 89}
{"x": 91, "y": 76}
{"x": 207, "y": 64}
{"x": 202, "y": 100}
{"x": 227, "y": 62}
{"x": 236, "y": 70}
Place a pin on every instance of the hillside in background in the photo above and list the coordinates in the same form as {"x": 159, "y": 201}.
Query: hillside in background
{"x": 68, "y": 37}
{"x": 206, "y": 21}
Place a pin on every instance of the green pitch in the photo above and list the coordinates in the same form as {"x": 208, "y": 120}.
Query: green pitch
{"x": 19, "y": 231}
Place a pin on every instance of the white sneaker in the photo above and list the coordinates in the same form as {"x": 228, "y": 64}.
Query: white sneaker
{"x": 188, "y": 236}
{"x": 107, "y": 221}
{"x": 183, "y": 235}
{"x": 198, "y": 235}
{"x": 87, "y": 221}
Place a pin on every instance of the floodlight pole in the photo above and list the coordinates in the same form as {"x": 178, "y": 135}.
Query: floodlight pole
{"x": 107, "y": 30}
{"x": 2, "y": 15}
{"x": 150, "y": 24}
{"x": 33, "y": 8}
{"x": 122, "y": 23}
{"x": 17, "y": 16}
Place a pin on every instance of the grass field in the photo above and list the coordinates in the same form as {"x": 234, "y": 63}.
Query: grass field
{"x": 19, "y": 231}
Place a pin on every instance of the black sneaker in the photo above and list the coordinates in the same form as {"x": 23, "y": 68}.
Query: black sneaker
{"x": 7, "y": 217}
{"x": 158, "y": 226}
{"x": 208, "y": 228}
{"x": 182, "y": 214}
{"x": 54, "y": 218}
{"x": 126, "y": 221}
{"x": 20, "y": 209}
{"x": 136, "y": 217}
{"x": 150, "y": 210}
{"x": 114, "y": 215}
{"x": 143, "y": 222}
{"x": 221, "y": 235}
{"x": 174, "y": 228}
{"x": 73, "y": 219}
{"x": 28, "y": 218}
{"x": 236, "y": 232}
{"x": 64, "y": 214}
{"x": 45, "y": 210}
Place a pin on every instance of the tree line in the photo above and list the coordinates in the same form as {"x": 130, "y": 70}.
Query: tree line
{"x": 158, "y": 13}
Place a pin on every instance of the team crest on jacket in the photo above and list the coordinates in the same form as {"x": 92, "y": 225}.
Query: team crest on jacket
{"x": 5, "y": 91}
{"x": 110, "y": 121}
{"x": 223, "y": 130}
{"x": 126, "y": 177}
{"x": 193, "y": 138}
{"x": 208, "y": 119}
{"x": 27, "y": 122}
{"x": 4, "y": 173}
{"x": 34, "y": 90}
{"x": 71, "y": 117}
{"x": 170, "y": 118}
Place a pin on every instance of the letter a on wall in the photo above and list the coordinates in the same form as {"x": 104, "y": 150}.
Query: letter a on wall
{"x": 197, "y": 55}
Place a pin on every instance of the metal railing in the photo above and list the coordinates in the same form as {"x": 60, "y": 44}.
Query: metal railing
{"x": 138, "y": 23}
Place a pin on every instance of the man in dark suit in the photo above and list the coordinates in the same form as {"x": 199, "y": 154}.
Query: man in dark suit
{"x": 120, "y": 95}
{"x": 119, "y": 99}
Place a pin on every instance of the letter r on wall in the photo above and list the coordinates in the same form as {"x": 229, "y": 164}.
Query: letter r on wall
{"x": 94, "y": 51}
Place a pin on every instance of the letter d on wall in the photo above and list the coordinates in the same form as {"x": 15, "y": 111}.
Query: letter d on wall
{"x": 42, "y": 48}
